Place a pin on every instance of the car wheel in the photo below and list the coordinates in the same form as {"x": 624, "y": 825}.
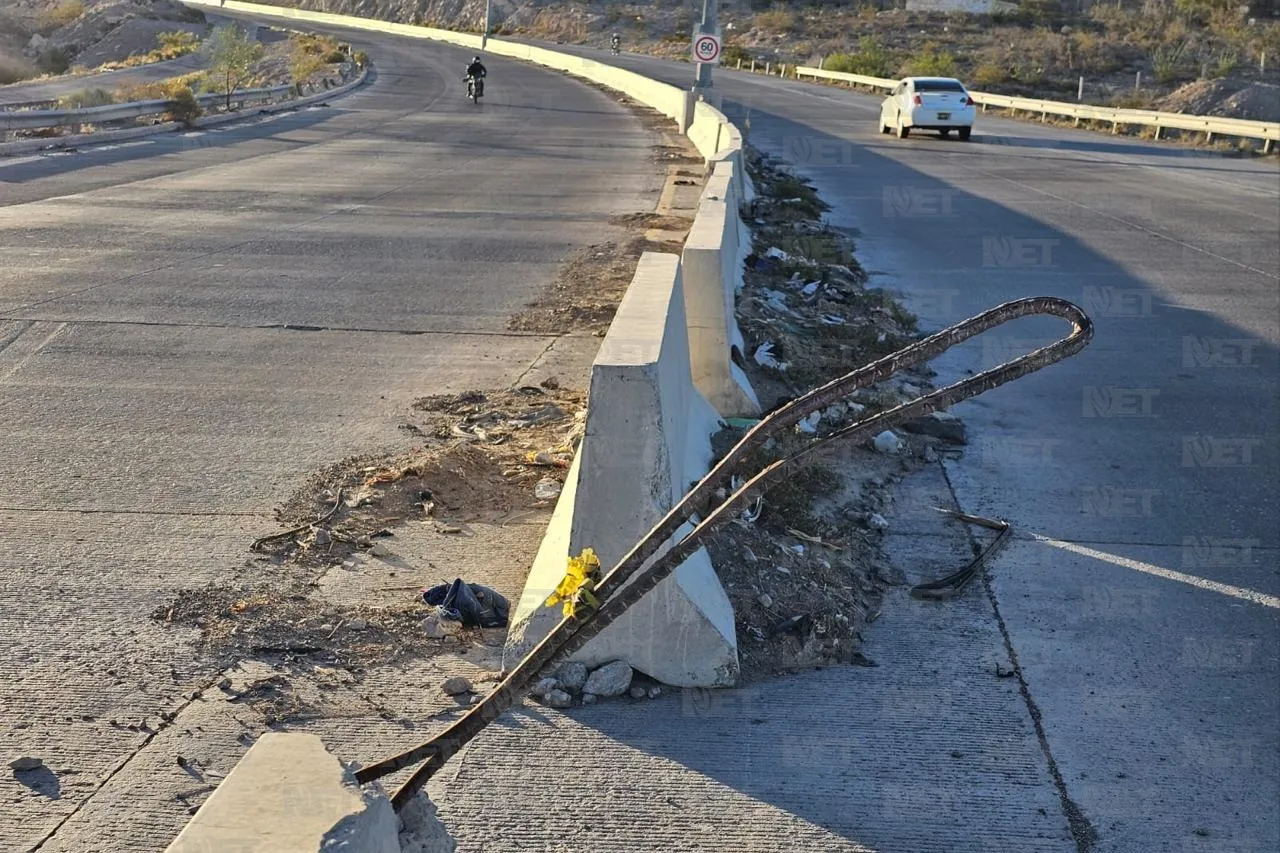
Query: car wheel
{"x": 964, "y": 133}
{"x": 903, "y": 131}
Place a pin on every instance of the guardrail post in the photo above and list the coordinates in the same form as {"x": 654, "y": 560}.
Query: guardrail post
{"x": 753, "y": 65}
{"x": 1158, "y": 129}
{"x": 739, "y": 63}
{"x": 1208, "y": 137}
{"x": 1266, "y": 146}
{"x": 767, "y": 67}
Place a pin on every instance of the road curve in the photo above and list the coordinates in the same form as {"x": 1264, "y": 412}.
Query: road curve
{"x": 190, "y": 325}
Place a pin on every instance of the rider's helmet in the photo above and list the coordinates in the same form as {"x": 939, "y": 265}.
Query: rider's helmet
{"x": 475, "y": 59}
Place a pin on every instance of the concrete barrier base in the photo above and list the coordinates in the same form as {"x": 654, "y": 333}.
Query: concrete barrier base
{"x": 647, "y": 440}
{"x": 290, "y": 795}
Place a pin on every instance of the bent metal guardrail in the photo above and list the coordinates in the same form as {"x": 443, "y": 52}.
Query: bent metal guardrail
{"x": 1210, "y": 126}
{"x": 12, "y": 120}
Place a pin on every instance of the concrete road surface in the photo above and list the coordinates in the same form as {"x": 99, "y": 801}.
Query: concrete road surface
{"x": 156, "y": 410}
{"x": 1140, "y": 597}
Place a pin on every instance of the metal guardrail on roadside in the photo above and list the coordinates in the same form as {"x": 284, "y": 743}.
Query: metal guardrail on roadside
{"x": 1211, "y": 126}
{"x": 40, "y": 119}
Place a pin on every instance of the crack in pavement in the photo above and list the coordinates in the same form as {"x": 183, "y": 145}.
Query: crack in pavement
{"x": 290, "y": 327}
{"x": 168, "y": 719}
{"x": 1083, "y": 831}
{"x": 156, "y": 512}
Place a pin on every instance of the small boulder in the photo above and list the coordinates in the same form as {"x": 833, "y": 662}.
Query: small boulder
{"x": 887, "y": 442}
{"x": 638, "y": 693}
{"x": 456, "y": 686}
{"x": 25, "y": 763}
{"x": 943, "y": 425}
{"x": 573, "y": 676}
{"x": 557, "y": 699}
{"x": 612, "y": 679}
{"x": 545, "y": 686}
{"x": 877, "y": 521}
{"x": 589, "y": 699}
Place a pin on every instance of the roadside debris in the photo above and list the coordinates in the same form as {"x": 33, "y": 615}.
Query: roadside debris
{"x": 470, "y": 605}
{"x": 799, "y": 567}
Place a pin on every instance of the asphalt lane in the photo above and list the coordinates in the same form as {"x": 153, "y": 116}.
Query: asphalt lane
{"x": 1140, "y": 598}
{"x": 191, "y": 324}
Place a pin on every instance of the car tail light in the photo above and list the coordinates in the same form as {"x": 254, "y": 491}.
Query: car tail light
{"x": 968, "y": 102}
{"x": 918, "y": 101}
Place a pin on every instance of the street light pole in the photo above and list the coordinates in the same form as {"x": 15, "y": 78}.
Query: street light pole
{"x": 484, "y": 37}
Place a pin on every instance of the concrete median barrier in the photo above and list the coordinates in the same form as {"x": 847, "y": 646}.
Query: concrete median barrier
{"x": 647, "y": 438}
{"x": 663, "y": 377}
{"x": 712, "y": 265}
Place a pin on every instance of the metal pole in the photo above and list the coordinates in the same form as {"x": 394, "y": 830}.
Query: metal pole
{"x": 702, "y": 77}
{"x": 484, "y": 38}
{"x": 1080, "y": 90}
{"x": 1137, "y": 82}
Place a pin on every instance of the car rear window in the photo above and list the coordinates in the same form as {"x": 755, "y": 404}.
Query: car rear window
{"x": 938, "y": 86}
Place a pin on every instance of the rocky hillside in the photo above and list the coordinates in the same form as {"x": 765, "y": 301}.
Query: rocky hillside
{"x": 1130, "y": 52}
{"x": 53, "y": 36}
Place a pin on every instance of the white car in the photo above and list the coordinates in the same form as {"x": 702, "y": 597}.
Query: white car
{"x": 928, "y": 103}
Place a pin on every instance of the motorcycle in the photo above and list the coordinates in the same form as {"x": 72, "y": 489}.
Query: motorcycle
{"x": 616, "y": 49}
{"x": 475, "y": 88}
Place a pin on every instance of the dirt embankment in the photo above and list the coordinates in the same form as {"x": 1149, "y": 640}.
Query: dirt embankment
{"x": 49, "y": 37}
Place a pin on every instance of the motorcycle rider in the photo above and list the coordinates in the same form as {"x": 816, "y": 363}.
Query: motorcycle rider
{"x": 615, "y": 42}
{"x": 476, "y": 72}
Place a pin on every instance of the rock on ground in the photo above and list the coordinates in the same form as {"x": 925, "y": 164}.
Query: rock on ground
{"x": 573, "y": 676}
{"x": 558, "y": 699}
{"x": 943, "y": 425}
{"x": 612, "y": 679}
{"x": 456, "y": 686}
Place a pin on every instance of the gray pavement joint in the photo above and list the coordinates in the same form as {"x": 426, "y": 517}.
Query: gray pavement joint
{"x": 1083, "y": 831}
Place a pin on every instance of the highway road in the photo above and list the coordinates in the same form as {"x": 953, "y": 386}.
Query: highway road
{"x": 154, "y": 423}
{"x": 1140, "y": 598}
{"x": 156, "y": 410}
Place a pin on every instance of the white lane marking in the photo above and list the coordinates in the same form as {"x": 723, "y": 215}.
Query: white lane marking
{"x": 1168, "y": 574}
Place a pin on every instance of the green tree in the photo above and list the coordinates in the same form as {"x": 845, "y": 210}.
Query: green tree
{"x": 232, "y": 54}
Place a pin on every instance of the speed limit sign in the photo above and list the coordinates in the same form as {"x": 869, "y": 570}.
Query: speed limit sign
{"x": 706, "y": 47}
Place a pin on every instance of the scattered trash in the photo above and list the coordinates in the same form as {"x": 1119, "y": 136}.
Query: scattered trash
{"x": 809, "y": 424}
{"x": 741, "y": 423}
{"x": 559, "y": 458}
{"x": 473, "y": 605}
{"x": 436, "y": 627}
{"x": 878, "y": 521}
{"x": 777, "y": 254}
{"x": 764, "y": 357}
{"x": 766, "y": 600}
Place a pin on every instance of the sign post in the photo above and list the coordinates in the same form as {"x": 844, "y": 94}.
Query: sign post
{"x": 706, "y": 47}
